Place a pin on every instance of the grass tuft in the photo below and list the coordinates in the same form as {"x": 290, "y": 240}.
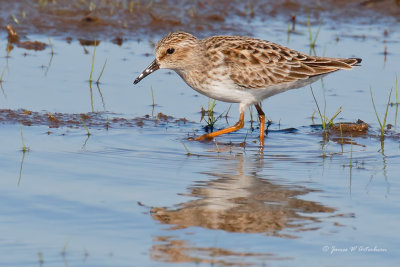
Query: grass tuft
{"x": 381, "y": 125}
{"x": 325, "y": 121}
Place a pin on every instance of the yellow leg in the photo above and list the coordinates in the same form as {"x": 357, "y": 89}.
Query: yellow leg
{"x": 261, "y": 117}
{"x": 233, "y": 128}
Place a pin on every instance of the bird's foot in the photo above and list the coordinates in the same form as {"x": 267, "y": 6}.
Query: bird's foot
{"x": 204, "y": 137}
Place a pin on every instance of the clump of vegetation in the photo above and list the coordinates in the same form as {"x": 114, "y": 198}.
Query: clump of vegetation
{"x": 208, "y": 115}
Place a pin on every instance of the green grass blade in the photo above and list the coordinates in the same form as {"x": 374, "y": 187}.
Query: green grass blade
{"x": 340, "y": 109}
{"x": 84, "y": 125}
{"x": 101, "y": 73}
{"x": 397, "y": 103}
{"x": 51, "y": 45}
{"x": 152, "y": 95}
{"x": 316, "y": 34}
{"x": 91, "y": 69}
{"x": 309, "y": 29}
{"x": 386, "y": 112}
{"x": 373, "y": 104}
{"x": 319, "y": 111}
{"x": 187, "y": 150}
{"x": 397, "y": 91}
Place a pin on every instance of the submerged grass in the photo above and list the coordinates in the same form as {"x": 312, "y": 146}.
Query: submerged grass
{"x": 64, "y": 249}
{"x": 40, "y": 259}
{"x": 382, "y": 125}
{"x": 187, "y": 150}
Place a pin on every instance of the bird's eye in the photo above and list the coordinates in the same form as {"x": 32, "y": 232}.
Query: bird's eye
{"x": 170, "y": 50}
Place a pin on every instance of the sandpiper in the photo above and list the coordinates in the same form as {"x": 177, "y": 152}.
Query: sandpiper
{"x": 240, "y": 70}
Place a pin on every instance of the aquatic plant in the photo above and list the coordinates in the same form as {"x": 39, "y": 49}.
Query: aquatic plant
{"x": 152, "y": 96}
{"x": 92, "y": 66}
{"x": 312, "y": 39}
{"x": 397, "y": 102}
{"x": 41, "y": 258}
{"x": 51, "y": 46}
{"x": 325, "y": 121}
{"x": 84, "y": 125}
{"x": 211, "y": 120}
{"x": 397, "y": 91}
{"x": 24, "y": 147}
{"x": 187, "y": 150}
{"x": 382, "y": 125}
{"x": 101, "y": 72}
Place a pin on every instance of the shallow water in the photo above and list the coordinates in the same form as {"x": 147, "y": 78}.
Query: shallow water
{"x": 131, "y": 195}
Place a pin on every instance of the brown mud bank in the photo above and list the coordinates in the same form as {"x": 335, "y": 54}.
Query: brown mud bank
{"x": 123, "y": 19}
{"x": 342, "y": 132}
{"x": 92, "y": 119}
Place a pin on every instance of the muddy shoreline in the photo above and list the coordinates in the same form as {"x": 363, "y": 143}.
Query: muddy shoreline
{"x": 131, "y": 20}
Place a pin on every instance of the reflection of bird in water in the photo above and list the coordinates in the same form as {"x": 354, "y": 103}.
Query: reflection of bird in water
{"x": 241, "y": 203}
{"x": 245, "y": 203}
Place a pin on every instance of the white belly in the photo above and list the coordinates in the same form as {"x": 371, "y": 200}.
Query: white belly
{"x": 224, "y": 89}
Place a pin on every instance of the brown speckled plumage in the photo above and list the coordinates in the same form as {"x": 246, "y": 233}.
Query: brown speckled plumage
{"x": 240, "y": 69}
{"x": 255, "y": 63}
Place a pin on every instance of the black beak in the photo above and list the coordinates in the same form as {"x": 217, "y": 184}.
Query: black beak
{"x": 153, "y": 67}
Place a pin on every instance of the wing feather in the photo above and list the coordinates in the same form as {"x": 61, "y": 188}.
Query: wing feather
{"x": 254, "y": 63}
